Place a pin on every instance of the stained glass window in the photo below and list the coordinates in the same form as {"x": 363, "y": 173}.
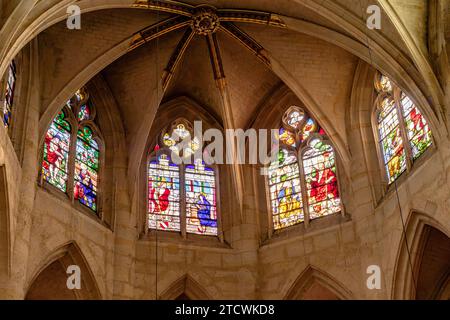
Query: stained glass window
{"x": 419, "y": 133}
{"x": 9, "y": 94}
{"x": 404, "y": 134}
{"x": 164, "y": 195}
{"x": 316, "y": 170}
{"x": 77, "y": 114}
{"x": 56, "y": 152}
{"x": 285, "y": 191}
{"x": 86, "y": 168}
{"x": 196, "y": 202}
{"x": 391, "y": 140}
{"x": 201, "y": 207}
{"x": 321, "y": 179}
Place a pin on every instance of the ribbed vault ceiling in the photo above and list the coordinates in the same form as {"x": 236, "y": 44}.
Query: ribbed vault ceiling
{"x": 185, "y": 65}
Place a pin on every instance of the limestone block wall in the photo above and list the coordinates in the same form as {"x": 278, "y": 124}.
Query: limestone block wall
{"x": 56, "y": 223}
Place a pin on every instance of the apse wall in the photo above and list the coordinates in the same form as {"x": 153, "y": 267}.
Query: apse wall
{"x": 332, "y": 84}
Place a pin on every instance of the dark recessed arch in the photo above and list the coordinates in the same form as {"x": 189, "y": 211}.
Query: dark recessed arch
{"x": 428, "y": 253}
{"x": 49, "y": 282}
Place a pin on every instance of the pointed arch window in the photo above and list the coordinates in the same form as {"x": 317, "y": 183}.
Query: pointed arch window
{"x": 303, "y": 183}
{"x": 403, "y": 132}
{"x": 181, "y": 197}
{"x": 9, "y": 94}
{"x": 71, "y": 156}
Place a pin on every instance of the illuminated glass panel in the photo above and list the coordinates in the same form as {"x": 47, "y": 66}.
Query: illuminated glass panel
{"x": 287, "y": 138}
{"x": 321, "y": 180}
{"x": 9, "y": 94}
{"x": 309, "y": 128}
{"x": 391, "y": 140}
{"x": 164, "y": 195}
{"x": 285, "y": 191}
{"x": 201, "y": 206}
{"x": 180, "y": 140}
{"x": 295, "y": 117}
{"x": 56, "y": 153}
{"x": 384, "y": 84}
{"x": 84, "y": 113}
{"x": 418, "y": 131}
{"x": 412, "y": 127}
{"x": 86, "y": 169}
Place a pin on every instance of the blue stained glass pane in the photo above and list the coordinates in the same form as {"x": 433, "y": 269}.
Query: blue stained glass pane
{"x": 201, "y": 206}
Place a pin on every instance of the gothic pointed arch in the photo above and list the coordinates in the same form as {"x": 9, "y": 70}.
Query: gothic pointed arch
{"x": 73, "y": 153}
{"x": 182, "y": 192}
{"x": 96, "y": 142}
{"x": 314, "y": 284}
{"x": 411, "y": 252}
{"x": 57, "y": 13}
{"x": 402, "y": 132}
{"x": 50, "y": 280}
{"x": 185, "y": 288}
{"x": 302, "y": 182}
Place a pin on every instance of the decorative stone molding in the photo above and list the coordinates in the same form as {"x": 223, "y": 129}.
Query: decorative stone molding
{"x": 205, "y": 21}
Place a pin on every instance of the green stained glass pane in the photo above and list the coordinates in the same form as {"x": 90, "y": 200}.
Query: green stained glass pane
{"x": 61, "y": 121}
{"x": 86, "y": 135}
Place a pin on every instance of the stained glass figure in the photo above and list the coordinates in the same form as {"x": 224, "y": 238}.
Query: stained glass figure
{"x": 391, "y": 140}
{"x": 285, "y": 191}
{"x": 399, "y": 119}
{"x": 164, "y": 195}
{"x": 321, "y": 179}
{"x": 86, "y": 169}
{"x": 56, "y": 153}
{"x": 419, "y": 133}
{"x": 201, "y": 206}
{"x": 9, "y": 94}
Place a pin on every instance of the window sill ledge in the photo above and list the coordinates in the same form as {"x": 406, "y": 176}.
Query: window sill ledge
{"x": 191, "y": 241}
{"x": 299, "y": 232}
{"x": 74, "y": 206}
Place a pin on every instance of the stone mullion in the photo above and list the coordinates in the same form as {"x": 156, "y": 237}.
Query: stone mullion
{"x": 403, "y": 130}
{"x": 182, "y": 201}
{"x": 303, "y": 187}
{"x": 71, "y": 163}
{"x": 218, "y": 206}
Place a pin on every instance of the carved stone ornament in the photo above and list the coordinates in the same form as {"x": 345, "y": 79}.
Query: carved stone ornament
{"x": 205, "y": 21}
